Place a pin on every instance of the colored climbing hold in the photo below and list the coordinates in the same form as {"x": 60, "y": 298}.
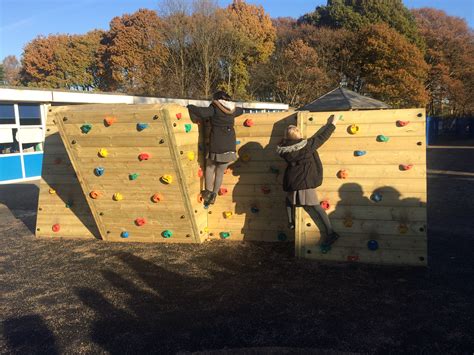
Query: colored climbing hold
{"x": 69, "y": 204}
{"x": 190, "y": 156}
{"x": 402, "y": 123}
{"x": 94, "y": 194}
{"x": 133, "y": 176}
{"x": 245, "y": 157}
{"x": 282, "y": 237}
{"x": 85, "y": 128}
{"x": 376, "y": 197}
{"x": 325, "y": 205}
{"x": 223, "y": 191}
{"x": 403, "y": 228}
{"x": 166, "y": 179}
{"x": 372, "y": 245}
{"x": 52, "y": 191}
{"x": 144, "y": 156}
{"x": 324, "y": 248}
{"x": 157, "y": 198}
{"x": 266, "y": 190}
{"x": 178, "y": 115}
{"x": 200, "y": 173}
{"x": 227, "y": 171}
{"x": 228, "y": 214}
{"x": 352, "y": 257}
{"x": 117, "y": 196}
{"x": 110, "y": 120}
{"x": 99, "y": 171}
{"x": 274, "y": 170}
{"x": 353, "y": 129}
{"x": 342, "y": 174}
{"x": 56, "y": 228}
{"x": 199, "y": 198}
{"x": 224, "y": 235}
{"x": 359, "y": 153}
{"x": 348, "y": 222}
{"x": 103, "y": 153}
{"x": 237, "y": 142}
{"x": 248, "y": 122}
{"x": 405, "y": 167}
{"x": 206, "y": 229}
{"x": 254, "y": 209}
{"x": 140, "y": 221}
{"x": 188, "y": 127}
{"x": 167, "y": 233}
{"x": 142, "y": 126}
{"x": 124, "y": 234}
{"x": 382, "y": 138}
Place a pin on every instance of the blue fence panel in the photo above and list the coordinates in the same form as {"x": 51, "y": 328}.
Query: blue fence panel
{"x": 10, "y": 168}
{"x": 33, "y": 164}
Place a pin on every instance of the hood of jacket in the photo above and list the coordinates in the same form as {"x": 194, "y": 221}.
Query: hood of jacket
{"x": 227, "y": 107}
{"x": 294, "y": 147}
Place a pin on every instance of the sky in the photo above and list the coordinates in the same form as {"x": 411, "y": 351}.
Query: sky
{"x": 23, "y": 20}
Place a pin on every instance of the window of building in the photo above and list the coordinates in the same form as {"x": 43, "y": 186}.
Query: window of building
{"x": 7, "y": 114}
{"x": 29, "y": 114}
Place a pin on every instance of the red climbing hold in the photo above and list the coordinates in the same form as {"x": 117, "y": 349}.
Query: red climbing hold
{"x": 223, "y": 191}
{"x": 144, "y": 156}
{"x": 200, "y": 173}
{"x": 352, "y": 257}
{"x": 110, "y": 120}
{"x": 248, "y": 122}
{"x": 227, "y": 171}
{"x": 342, "y": 174}
{"x": 402, "y": 123}
{"x": 56, "y": 227}
{"x": 266, "y": 190}
{"x": 325, "y": 205}
{"x": 140, "y": 221}
{"x": 406, "y": 166}
{"x": 178, "y": 115}
{"x": 199, "y": 198}
{"x": 157, "y": 198}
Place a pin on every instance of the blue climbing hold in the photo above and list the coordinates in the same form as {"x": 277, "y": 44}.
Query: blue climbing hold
{"x": 141, "y": 126}
{"x": 254, "y": 209}
{"x": 282, "y": 237}
{"x": 237, "y": 142}
{"x": 376, "y": 197}
{"x": 372, "y": 245}
{"x": 99, "y": 171}
{"x": 124, "y": 234}
{"x": 85, "y": 128}
{"x": 359, "y": 153}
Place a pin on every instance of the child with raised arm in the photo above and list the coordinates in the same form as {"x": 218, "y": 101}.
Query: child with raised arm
{"x": 304, "y": 173}
{"x": 221, "y": 114}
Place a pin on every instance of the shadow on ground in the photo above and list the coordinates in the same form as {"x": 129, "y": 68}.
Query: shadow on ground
{"x": 92, "y": 297}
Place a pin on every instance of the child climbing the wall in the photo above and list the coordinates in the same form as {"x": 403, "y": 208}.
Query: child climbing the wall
{"x": 221, "y": 114}
{"x": 304, "y": 173}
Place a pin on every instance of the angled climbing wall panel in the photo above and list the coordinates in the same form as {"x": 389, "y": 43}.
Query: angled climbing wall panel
{"x": 374, "y": 188}
{"x": 251, "y": 203}
{"x": 62, "y": 208}
{"x": 125, "y": 160}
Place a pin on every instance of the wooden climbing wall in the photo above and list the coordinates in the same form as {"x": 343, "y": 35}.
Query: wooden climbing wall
{"x": 61, "y": 201}
{"x": 251, "y": 205}
{"x": 375, "y": 188}
{"x": 124, "y": 156}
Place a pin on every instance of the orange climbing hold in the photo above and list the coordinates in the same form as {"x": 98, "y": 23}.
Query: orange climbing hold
{"x": 342, "y": 174}
{"x": 325, "y": 205}
{"x": 110, "y": 120}
{"x": 402, "y": 123}
{"x": 157, "y": 198}
{"x": 179, "y": 115}
{"x": 199, "y": 198}
{"x": 144, "y": 156}
{"x": 406, "y": 167}
{"x": 227, "y": 171}
{"x": 223, "y": 191}
{"x": 200, "y": 173}
{"x": 56, "y": 228}
{"x": 348, "y": 222}
{"x": 140, "y": 221}
{"x": 94, "y": 194}
{"x": 248, "y": 122}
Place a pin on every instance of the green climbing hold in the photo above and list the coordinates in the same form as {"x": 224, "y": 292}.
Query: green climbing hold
{"x": 274, "y": 170}
{"x": 167, "y": 234}
{"x": 382, "y": 138}
{"x": 69, "y": 204}
{"x": 224, "y": 235}
{"x": 325, "y": 248}
{"x": 188, "y": 127}
{"x": 85, "y": 128}
{"x": 133, "y": 176}
{"x": 282, "y": 237}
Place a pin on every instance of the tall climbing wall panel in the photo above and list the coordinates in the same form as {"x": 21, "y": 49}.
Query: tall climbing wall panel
{"x": 62, "y": 208}
{"x": 250, "y": 205}
{"x": 374, "y": 188}
{"x": 126, "y": 162}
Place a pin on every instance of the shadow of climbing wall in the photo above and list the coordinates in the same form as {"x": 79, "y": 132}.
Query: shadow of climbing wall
{"x": 374, "y": 188}
{"x": 62, "y": 208}
{"x": 125, "y": 160}
{"x": 251, "y": 203}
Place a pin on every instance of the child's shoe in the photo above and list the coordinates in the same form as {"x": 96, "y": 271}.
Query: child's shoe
{"x": 212, "y": 198}
{"x": 291, "y": 225}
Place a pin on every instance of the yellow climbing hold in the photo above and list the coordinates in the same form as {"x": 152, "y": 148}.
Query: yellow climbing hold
{"x": 353, "y": 129}
{"x": 206, "y": 229}
{"x": 167, "y": 179}
{"x": 52, "y": 191}
{"x": 228, "y": 214}
{"x": 103, "y": 152}
{"x": 117, "y": 196}
{"x": 190, "y": 156}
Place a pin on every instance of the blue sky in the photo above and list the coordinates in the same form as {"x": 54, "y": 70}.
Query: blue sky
{"x": 23, "y": 20}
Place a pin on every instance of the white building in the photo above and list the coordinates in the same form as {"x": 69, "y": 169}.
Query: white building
{"x": 23, "y": 121}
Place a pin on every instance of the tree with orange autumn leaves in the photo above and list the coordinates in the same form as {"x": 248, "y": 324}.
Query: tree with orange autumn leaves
{"x": 196, "y": 48}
